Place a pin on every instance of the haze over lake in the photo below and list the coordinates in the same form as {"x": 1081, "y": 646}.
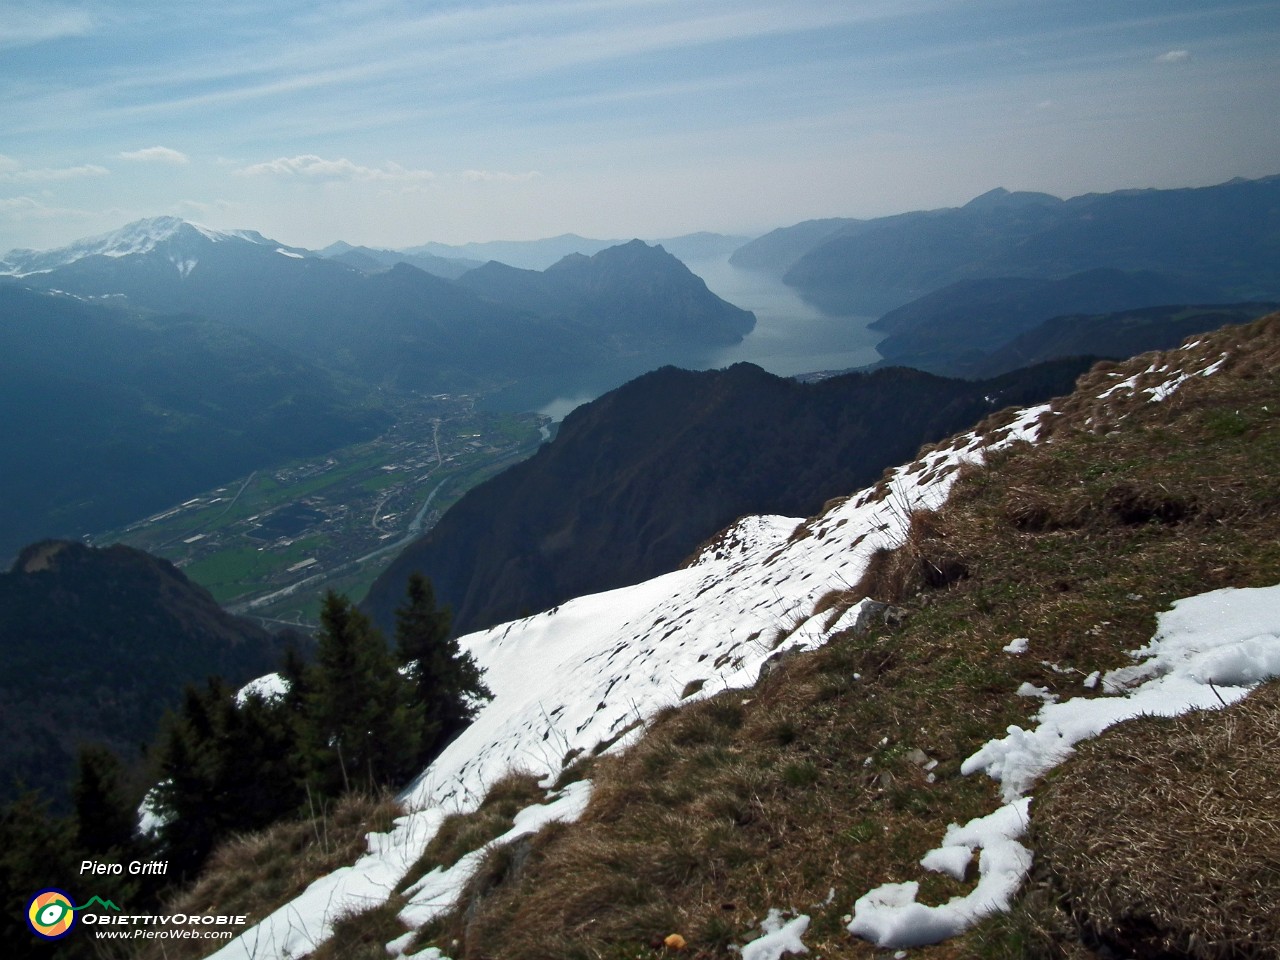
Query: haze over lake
{"x": 791, "y": 337}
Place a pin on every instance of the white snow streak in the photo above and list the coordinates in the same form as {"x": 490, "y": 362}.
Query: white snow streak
{"x": 596, "y": 668}
{"x": 1208, "y": 651}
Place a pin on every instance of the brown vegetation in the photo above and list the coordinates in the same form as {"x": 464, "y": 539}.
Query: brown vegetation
{"x": 1172, "y": 850}
{"x": 841, "y": 767}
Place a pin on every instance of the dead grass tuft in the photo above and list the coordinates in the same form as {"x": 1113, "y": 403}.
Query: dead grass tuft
{"x": 363, "y": 934}
{"x": 461, "y": 833}
{"x": 1162, "y": 836}
{"x": 925, "y": 560}
{"x": 256, "y": 873}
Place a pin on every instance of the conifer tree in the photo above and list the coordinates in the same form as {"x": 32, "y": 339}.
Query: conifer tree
{"x": 35, "y": 853}
{"x": 361, "y": 728}
{"x": 447, "y": 682}
{"x": 225, "y": 766}
{"x": 103, "y": 816}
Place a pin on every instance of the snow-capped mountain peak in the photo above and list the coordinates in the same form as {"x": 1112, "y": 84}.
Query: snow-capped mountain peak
{"x": 182, "y": 240}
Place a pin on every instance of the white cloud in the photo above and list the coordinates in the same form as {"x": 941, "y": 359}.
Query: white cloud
{"x": 11, "y": 205}
{"x": 1174, "y": 56}
{"x": 37, "y": 23}
{"x": 24, "y": 209}
{"x": 11, "y": 172}
{"x": 317, "y": 168}
{"x": 155, "y": 154}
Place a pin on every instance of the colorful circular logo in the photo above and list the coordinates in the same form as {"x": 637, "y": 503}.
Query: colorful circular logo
{"x": 51, "y": 914}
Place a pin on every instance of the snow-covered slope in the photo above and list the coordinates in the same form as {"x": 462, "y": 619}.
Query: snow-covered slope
{"x": 180, "y": 240}
{"x": 593, "y": 670}
{"x": 585, "y": 672}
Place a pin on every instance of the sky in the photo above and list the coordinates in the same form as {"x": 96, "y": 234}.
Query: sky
{"x": 393, "y": 123}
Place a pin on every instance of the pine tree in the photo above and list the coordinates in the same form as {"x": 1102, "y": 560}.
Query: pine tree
{"x": 35, "y": 853}
{"x": 360, "y": 726}
{"x": 225, "y": 766}
{"x": 448, "y": 684}
{"x": 104, "y": 818}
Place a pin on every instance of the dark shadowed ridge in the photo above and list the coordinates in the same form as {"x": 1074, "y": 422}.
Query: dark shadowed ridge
{"x": 95, "y": 644}
{"x": 637, "y": 479}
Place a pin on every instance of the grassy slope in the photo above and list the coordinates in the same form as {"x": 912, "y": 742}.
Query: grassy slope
{"x": 764, "y": 798}
{"x": 816, "y": 779}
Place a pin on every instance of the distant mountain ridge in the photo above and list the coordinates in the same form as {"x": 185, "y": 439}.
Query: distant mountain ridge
{"x": 1117, "y": 335}
{"x": 1223, "y": 237}
{"x": 400, "y": 327}
{"x": 637, "y": 479}
{"x": 619, "y": 291}
{"x": 946, "y": 331}
{"x": 95, "y": 644}
{"x": 540, "y": 254}
{"x": 173, "y": 236}
{"x": 375, "y": 260}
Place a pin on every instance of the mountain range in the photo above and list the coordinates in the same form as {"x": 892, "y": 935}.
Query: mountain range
{"x": 635, "y": 480}
{"x": 402, "y": 327}
{"x": 1221, "y": 237}
{"x": 540, "y": 254}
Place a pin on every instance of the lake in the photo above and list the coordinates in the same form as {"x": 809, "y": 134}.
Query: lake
{"x": 790, "y": 337}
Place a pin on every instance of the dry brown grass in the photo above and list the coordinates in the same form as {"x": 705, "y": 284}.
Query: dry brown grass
{"x": 772, "y": 797}
{"x": 1163, "y": 837}
{"x": 254, "y": 874}
{"x": 461, "y": 833}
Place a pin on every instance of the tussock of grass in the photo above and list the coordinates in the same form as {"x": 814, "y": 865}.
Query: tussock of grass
{"x": 811, "y": 781}
{"x": 461, "y": 833}
{"x": 363, "y": 934}
{"x": 1162, "y": 836}
{"x": 256, "y": 873}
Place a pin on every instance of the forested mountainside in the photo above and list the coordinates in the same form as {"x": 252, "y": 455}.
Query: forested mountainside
{"x": 637, "y": 479}
{"x": 113, "y": 414}
{"x": 1056, "y": 571}
{"x": 95, "y": 645}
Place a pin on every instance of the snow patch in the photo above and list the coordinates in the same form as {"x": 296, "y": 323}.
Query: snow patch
{"x": 270, "y": 688}
{"x": 1208, "y": 651}
{"x": 889, "y": 915}
{"x": 779, "y": 938}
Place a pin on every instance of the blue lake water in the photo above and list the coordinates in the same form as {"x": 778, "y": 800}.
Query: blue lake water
{"x": 790, "y": 337}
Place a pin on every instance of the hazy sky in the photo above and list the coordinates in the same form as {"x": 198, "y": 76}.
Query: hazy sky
{"x": 392, "y": 123}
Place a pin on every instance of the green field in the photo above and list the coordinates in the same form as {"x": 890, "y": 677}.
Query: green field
{"x": 241, "y": 540}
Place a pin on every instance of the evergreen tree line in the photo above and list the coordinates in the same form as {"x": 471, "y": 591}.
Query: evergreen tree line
{"x": 362, "y": 716}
